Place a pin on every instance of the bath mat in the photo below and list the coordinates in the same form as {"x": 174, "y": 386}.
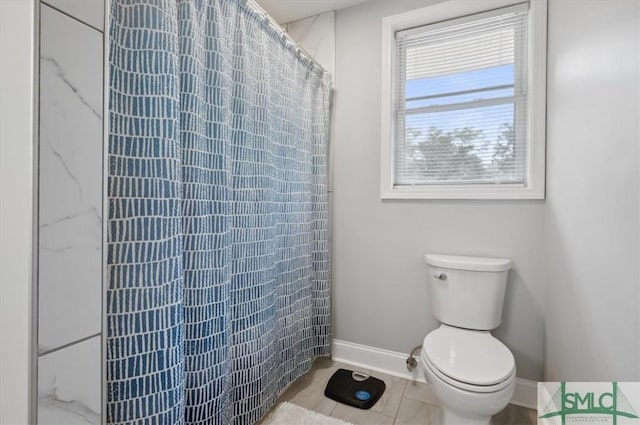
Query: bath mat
{"x": 292, "y": 414}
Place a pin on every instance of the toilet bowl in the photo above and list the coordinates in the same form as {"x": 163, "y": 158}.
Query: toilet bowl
{"x": 471, "y": 372}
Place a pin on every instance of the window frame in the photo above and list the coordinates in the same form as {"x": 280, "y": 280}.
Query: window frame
{"x": 534, "y": 187}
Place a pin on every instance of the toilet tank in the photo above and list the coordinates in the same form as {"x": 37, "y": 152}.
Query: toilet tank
{"x": 467, "y": 292}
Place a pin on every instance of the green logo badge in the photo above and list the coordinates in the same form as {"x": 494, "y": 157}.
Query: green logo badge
{"x": 588, "y": 406}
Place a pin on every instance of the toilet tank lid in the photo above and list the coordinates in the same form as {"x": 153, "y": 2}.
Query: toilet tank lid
{"x": 480, "y": 264}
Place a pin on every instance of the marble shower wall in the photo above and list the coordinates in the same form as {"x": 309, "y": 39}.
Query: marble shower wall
{"x": 70, "y": 212}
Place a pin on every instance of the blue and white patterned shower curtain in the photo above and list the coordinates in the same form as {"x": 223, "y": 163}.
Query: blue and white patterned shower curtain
{"x": 218, "y": 263}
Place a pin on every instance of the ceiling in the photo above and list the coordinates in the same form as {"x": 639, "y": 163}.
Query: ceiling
{"x": 284, "y": 11}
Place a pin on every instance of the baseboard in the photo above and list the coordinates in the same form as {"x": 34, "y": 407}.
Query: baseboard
{"x": 394, "y": 363}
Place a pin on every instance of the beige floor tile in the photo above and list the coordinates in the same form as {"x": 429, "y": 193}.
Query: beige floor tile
{"x": 411, "y": 403}
{"x": 359, "y": 416}
{"x": 308, "y": 393}
{"x": 421, "y": 392}
{"x": 320, "y": 372}
{"x": 323, "y": 368}
{"x": 413, "y": 412}
{"x": 390, "y": 400}
{"x": 308, "y": 390}
{"x": 511, "y": 415}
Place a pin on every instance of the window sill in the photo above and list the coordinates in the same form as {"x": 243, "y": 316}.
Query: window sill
{"x": 486, "y": 192}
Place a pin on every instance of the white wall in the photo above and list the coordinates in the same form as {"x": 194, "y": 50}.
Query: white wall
{"x": 316, "y": 35}
{"x": 16, "y": 192}
{"x": 379, "y": 275}
{"x": 592, "y": 211}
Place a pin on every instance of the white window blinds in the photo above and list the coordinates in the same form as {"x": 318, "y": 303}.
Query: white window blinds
{"x": 461, "y": 99}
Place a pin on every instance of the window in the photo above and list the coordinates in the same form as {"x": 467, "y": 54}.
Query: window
{"x": 463, "y": 108}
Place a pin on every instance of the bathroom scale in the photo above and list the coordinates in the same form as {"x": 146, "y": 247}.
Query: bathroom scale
{"x": 354, "y": 388}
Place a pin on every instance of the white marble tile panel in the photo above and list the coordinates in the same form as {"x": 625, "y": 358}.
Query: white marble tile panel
{"x": 69, "y": 383}
{"x": 88, "y": 11}
{"x": 70, "y": 277}
{"x": 317, "y": 36}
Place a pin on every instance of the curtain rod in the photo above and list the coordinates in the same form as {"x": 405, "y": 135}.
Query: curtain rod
{"x": 278, "y": 27}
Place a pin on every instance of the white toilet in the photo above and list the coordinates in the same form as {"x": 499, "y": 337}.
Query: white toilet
{"x": 471, "y": 373}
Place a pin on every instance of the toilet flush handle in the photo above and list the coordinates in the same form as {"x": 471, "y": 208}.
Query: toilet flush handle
{"x": 441, "y": 276}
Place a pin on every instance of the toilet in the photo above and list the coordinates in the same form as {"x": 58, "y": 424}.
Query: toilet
{"x": 471, "y": 373}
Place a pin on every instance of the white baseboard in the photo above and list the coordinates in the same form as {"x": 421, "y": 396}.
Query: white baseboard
{"x": 394, "y": 363}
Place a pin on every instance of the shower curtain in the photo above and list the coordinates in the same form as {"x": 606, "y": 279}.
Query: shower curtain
{"x": 218, "y": 266}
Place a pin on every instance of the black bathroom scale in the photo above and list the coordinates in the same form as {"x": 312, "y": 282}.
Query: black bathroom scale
{"x": 354, "y": 388}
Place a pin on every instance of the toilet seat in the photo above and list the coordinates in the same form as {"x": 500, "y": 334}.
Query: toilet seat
{"x": 463, "y": 385}
{"x": 468, "y": 359}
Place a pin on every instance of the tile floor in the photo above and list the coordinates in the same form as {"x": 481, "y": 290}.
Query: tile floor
{"x": 403, "y": 402}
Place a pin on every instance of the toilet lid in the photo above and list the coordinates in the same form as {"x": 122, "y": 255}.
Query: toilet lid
{"x": 473, "y": 357}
